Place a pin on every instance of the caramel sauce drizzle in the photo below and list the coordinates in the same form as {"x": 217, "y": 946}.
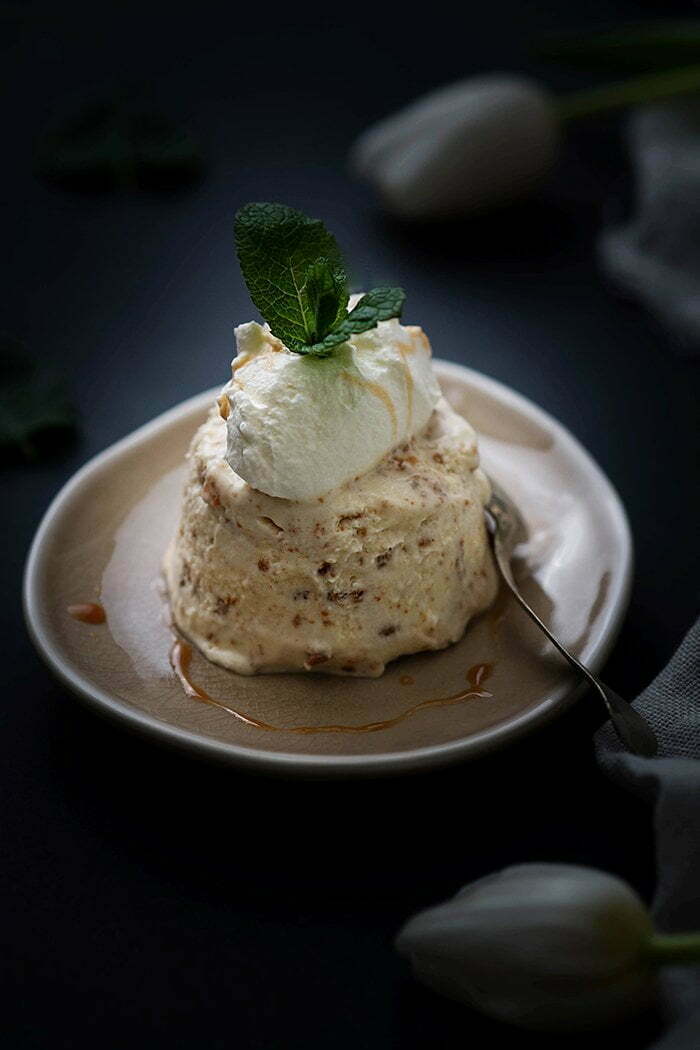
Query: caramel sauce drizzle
{"x": 87, "y": 612}
{"x": 378, "y": 391}
{"x": 181, "y": 657}
{"x": 420, "y": 335}
{"x": 408, "y": 378}
{"x": 274, "y": 346}
{"x": 241, "y": 362}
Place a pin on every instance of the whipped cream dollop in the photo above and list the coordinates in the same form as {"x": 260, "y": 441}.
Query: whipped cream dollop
{"x": 299, "y": 426}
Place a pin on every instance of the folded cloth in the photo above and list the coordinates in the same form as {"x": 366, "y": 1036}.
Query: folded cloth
{"x": 671, "y": 782}
{"x": 656, "y": 257}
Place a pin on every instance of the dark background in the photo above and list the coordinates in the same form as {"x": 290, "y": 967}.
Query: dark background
{"x": 147, "y": 896}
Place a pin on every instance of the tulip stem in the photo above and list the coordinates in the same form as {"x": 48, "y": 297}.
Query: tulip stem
{"x": 666, "y": 949}
{"x": 651, "y": 88}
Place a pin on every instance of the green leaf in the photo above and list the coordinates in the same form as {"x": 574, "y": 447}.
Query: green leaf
{"x": 327, "y": 292}
{"x": 293, "y": 269}
{"x": 35, "y": 413}
{"x": 295, "y": 275}
{"x": 381, "y": 304}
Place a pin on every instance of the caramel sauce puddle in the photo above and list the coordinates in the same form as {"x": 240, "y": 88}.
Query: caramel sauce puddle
{"x": 181, "y": 657}
{"x": 87, "y": 612}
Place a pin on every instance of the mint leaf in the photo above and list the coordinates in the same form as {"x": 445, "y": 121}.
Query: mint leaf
{"x": 294, "y": 271}
{"x": 327, "y": 293}
{"x": 381, "y": 304}
{"x": 295, "y": 275}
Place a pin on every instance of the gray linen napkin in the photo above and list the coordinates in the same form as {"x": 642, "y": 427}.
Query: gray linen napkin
{"x": 671, "y": 782}
{"x": 656, "y": 257}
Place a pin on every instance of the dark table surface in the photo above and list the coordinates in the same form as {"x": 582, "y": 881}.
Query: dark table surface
{"x": 147, "y": 895}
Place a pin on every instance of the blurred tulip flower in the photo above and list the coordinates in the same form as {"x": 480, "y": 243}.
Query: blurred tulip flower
{"x": 551, "y": 947}
{"x": 487, "y": 140}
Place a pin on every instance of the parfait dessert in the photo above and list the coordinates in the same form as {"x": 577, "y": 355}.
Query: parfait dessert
{"x": 332, "y": 518}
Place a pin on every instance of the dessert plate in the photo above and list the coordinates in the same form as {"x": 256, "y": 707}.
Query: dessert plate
{"x": 103, "y": 537}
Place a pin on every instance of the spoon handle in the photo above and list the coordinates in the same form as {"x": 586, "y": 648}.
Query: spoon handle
{"x": 633, "y": 730}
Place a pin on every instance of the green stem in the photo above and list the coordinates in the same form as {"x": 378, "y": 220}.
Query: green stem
{"x": 666, "y": 949}
{"x": 648, "y": 88}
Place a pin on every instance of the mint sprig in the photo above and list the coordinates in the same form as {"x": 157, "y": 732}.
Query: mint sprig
{"x": 294, "y": 271}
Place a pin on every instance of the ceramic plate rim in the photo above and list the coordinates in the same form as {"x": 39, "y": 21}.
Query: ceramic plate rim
{"x": 286, "y": 762}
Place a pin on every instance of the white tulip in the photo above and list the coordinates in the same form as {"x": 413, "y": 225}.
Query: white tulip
{"x": 544, "y": 946}
{"x": 462, "y": 149}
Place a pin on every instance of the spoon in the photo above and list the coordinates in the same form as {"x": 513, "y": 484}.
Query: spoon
{"x": 505, "y": 526}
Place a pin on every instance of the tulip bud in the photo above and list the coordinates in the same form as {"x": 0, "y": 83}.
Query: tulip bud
{"x": 462, "y": 149}
{"x": 543, "y": 946}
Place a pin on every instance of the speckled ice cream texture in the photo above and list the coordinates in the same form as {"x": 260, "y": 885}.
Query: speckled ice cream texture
{"x": 393, "y": 562}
